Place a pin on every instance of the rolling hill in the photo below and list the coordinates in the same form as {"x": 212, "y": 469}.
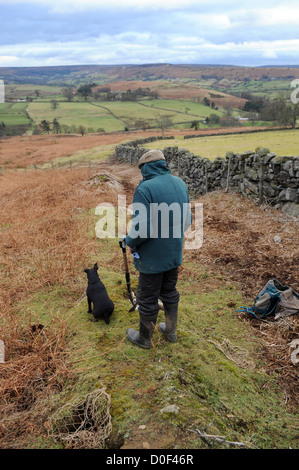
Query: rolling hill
{"x": 72, "y": 75}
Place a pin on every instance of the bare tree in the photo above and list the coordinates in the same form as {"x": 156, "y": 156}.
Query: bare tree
{"x": 163, "y": 122}
{"x": 68, "y": 93}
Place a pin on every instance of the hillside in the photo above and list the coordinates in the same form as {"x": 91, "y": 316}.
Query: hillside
{"x": 74, "y": 75}
{"x": 229, "y": 374}
{"x": 132, "y": 97}
{"x": 180, "y": 91}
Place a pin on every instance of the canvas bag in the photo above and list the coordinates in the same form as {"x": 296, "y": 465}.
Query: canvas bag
{"x": 274, "y": 299}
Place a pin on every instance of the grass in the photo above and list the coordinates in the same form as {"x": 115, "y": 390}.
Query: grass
{"x": 271, "y": 88}
{"x": 211, "y": 391}
{"x": 99, "y": 153}
{"x": 195, "y": 110}
{"x": 77, "y": 113}
{"x": 13, "y": 113}
{"x": 116, "y": 115}
{"x": 280, "y": 142}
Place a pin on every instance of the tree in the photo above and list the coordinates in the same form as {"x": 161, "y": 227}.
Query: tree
{"x": 206, "y": 101}
{"x": 195, "y": 125}
{"x": 54, "y": 104}
{"x": 86, "y": 90}
{"x": 213, "y": 119}
{"x": 56, "y": 127}
{"x": 163, "y": 122}
{"x": 45, "y": 126}
{"x": 254, "y": 104}
{"x": 282, "y": 111}
{"x": 68, "y": 93}
{"x": 291, "y": 114}
{"x": 81, "y": 130}
{"x": 2, "y": 128}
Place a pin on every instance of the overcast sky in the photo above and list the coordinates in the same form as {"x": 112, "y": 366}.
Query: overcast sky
{"x": 65, "y": 32}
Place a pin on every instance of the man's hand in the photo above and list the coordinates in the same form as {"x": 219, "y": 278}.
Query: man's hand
{"x": 124, "y": 245}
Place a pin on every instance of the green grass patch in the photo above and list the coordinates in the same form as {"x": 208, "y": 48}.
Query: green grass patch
{"x": 271, "y": 88}
{"x": 116, "y": 115}
{"x": 14, "y": 114}
{"x": 214, "y": 393}
{"x": 77, "y": 113}
{"x": 196, "y": 110}
{"x": 279, "y": 142}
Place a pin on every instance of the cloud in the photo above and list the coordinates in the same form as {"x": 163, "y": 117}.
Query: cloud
{"x": 143, "y": 48}
{"x": 270, "y": 54}
{"x": 44, "y": 32}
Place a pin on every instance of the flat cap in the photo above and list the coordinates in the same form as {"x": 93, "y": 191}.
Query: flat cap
{"x": 151, "y": 156}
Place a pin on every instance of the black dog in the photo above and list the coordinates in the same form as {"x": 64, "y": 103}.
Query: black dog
{"x": 103, "y": 306}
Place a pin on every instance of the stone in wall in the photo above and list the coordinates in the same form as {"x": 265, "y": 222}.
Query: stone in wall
{"x": 237, "y": 172}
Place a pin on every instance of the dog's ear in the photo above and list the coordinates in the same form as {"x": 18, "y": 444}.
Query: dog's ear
{"x": 96, "y": 266}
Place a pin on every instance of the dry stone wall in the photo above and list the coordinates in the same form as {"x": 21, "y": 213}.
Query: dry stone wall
{"x": 259, "y": 174}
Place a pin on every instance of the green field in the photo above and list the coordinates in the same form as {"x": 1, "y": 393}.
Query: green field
{"x": 79, "y": 113}
{"x": 270, "y": 88}
{"x": 116, "y": 115}
{"x": 107, "y": 116}
{"x": 194, "y": 110}
{"x": 13, "y": 113}
{"x": 280, "y": 142}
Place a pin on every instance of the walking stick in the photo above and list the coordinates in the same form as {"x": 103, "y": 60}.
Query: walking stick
{"x": 132, "y": 298}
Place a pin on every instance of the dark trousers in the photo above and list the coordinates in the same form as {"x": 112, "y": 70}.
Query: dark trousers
{"x": 152, "y": 287}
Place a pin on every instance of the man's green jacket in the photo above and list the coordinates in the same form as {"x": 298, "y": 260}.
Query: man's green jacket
{"x": 161, "y": 214}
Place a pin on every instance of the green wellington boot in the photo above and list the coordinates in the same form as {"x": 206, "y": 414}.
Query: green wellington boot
{"x": 146, "y": 329}
{"x": 171, "y": 319}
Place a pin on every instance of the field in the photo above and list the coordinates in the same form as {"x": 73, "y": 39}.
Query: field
{"x": 23, "y": 91}
{"x": 269, "y": 87}
{"x": 229, "y": 374}
{"x": 280, "y": 142}
{"x": 13, "y": 113}
{"x": 194, "y": 110}
{"x": 181, "y": 90}
{"x": 26, "y": 151}
{"x": 115, "y": 116}
{"x": 76, "y": 114}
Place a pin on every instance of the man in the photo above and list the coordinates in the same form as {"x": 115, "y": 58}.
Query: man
{"x": 156, "y": 240}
